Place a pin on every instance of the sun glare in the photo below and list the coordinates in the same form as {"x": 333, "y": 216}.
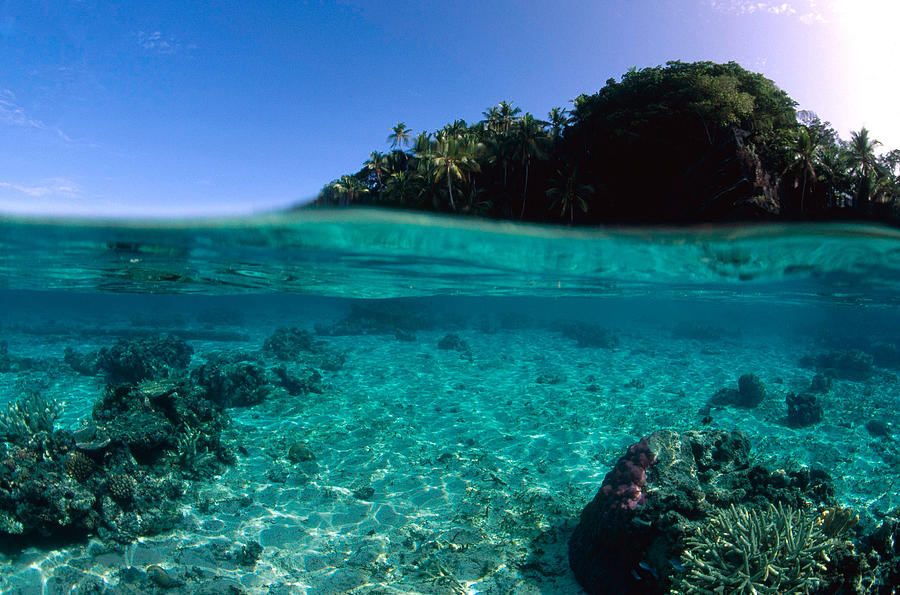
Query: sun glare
{"x": 868, "y": 38}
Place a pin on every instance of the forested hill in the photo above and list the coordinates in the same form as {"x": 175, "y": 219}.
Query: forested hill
{"x": 684, "y": 142}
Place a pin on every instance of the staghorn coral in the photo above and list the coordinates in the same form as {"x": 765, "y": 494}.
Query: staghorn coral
{"x": 27, "y": 417}
{"x": 763, "y": 551}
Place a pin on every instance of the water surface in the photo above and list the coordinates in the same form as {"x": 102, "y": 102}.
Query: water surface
{"x": 438, "y": 465}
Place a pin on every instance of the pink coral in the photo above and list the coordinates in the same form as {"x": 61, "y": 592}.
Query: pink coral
{"x": 624, "y": 485}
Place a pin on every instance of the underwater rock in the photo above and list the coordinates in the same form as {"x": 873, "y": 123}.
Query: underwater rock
{"x": 803, "y": 409}
{"x": 886, "y": 355}
{"x": 287, "y": 344}
{"x": 453, "y": 342}
{"x": 161, "y": 577}
{"x": 248, "y": 554}
{"x": 846, "y": 364}
{"x": 751, "y": 392}
{"x": 300, "y": 452}
{"x": 389, "y": 317}
{"x": 232, "y": 379}
{"x": 878, "y": 428}
{"x": 5, "y": 361}
{"x": 588, "y": 335}
{"x": 299, "y": 379}
{"x": 364, "y": 493}
{"x": 550, "y": 377}
{"x": 820, "y": 384}
{"x": 665, "y": 488}
{"x": 134, "y": 360}
{"x": 83, "y": 363}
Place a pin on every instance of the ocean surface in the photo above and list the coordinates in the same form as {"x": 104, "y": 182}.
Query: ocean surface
{"x": 405, "y": 403}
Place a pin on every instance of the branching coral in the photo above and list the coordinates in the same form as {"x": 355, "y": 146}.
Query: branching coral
{"x": 745, "y": 550}
{"x": 26, "y": 417}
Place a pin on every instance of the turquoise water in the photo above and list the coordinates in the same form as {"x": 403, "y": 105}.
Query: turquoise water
{"x": 464, "y": 390}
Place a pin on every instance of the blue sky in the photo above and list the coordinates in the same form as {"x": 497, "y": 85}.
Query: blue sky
{"x": 181, "y": 108}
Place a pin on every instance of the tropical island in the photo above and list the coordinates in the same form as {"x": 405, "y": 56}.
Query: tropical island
{"x": 680, "y": 143}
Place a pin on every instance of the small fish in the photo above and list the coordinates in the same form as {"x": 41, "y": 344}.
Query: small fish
{"x": 677, "y": 565}
{"x": 636, "y": 575}
{"x": 649, "y": 569}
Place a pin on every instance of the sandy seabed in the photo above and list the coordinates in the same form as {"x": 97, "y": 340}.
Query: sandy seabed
{"x": 440, "y": 471}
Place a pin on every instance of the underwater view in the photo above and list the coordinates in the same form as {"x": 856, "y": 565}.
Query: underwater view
{"x": 378, "y": 402}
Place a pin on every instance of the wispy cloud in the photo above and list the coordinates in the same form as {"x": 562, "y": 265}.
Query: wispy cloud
{"x": 12, "y": 114}
{"x": 52, "y": 187}
{"x": 155, "y": 41}
{"x": 805, "y": 10}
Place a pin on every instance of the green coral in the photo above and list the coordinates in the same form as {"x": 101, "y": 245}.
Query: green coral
{"x": 27, "y": 417}
{"x": 743, "y": 550}
{"x": 10, "y": 525}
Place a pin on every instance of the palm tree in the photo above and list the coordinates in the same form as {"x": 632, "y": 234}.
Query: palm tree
{"x": 376, "y": 164}
{"x": 451, "y": 160}
{"x": 401, "y": 187}
{"x": 348, "y": 189}
{"x": 492, "y": 119}
{"x": 834, "y": 168}
{"x": 400, "y": 136}
{"x": 863, "y": 162}
{"x": 423, "y": 144}
{"x": 805, "y": 157}
{"x": 508, "y": 113}
{"x": 558, "y": 118}
{"x": 457, "y": 128}
{"x": 529, "y": 141}
{"x": 567, "y": 192}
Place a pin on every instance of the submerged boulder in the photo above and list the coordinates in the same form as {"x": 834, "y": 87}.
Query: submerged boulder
{"x": 588, "y": 335}
{"x": 846, "y": 364}
{"x": 750, "y": 393}
{"x": 804, "y": 409}
{"x": 287, "y": 344}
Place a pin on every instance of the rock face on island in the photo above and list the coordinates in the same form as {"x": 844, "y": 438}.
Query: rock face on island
{"x": 657, "y": 521}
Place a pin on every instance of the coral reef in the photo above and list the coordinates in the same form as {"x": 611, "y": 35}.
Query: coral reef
{"x": 664, "y": 489}
{"x": 232, "y": 379}
{"x": 120, "y": 476}
{"x": 134, "y": 360}
{"x": 298, "y": 346}
{"x": 166, "y": 426}
{"x": 623, "y": 487}
{"x": 772, "y": 550}
{"x": 26, "y": 418}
